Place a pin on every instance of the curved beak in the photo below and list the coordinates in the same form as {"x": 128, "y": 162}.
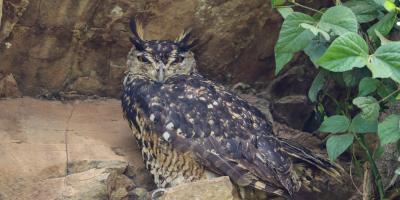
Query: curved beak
{"x": 160, "y": 73}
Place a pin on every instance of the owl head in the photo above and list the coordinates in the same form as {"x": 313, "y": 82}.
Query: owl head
{"x": 159, "y": 60}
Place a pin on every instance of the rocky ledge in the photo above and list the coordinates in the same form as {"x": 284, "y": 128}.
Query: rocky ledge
{"x": 79, "y": 150}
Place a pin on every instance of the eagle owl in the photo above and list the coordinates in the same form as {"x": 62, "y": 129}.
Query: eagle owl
{"x": 189, "y": 128}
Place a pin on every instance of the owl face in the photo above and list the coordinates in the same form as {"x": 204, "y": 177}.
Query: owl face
{"x": 160, "y": 59}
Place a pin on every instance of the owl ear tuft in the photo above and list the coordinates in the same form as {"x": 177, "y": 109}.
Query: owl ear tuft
{"x": 184, "y": 40}
{"x": 137, "y": 31}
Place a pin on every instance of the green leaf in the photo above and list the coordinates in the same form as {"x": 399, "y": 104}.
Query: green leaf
{"x": 384, "y": 26}
{"x": 346, "y": 52}
{"x": 360, "y": 125}
{"x": 281, "y": 59}
{"x": 316, "y": 30}
{"x": 386, "y": 87}
{"x": 379, "y": 151}
{"x": 389, "y": 129}
{"x": 380, "y": 2}
{"x": 339, "y": 20}
{"x": 385, "y": 62}
{"x": 337, "y": 144}
{"x": 316, "y": 86}
{"x": 365, "y": 10}
{"x": 335, "y": 124}
{"x": 349, "y": 78}
{"x": 277, "y": 2}
{"x": 316, "y": 49}
{"x": 389, "y": 6}
{"x": 398, "y": 146}
{"x": 369, "y": 107}
{"x": 367, "y": 86}
{"x": 398, "y": 97}
{"x": 293, "y": 37}
{"x": 317, "y": 15}
{"x": 285, "y": 11}
{"x": 382, "y": 38}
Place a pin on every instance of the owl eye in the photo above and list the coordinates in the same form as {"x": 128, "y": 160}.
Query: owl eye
{"x": 142, "y": 59}
{"x": 178, "y": 59}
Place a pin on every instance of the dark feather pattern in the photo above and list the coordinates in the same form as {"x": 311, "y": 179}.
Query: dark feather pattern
{"x": 135, "y": 40}
{"x": 196, "y": 121}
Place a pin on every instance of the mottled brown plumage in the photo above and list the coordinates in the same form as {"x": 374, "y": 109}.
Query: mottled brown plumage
{"x": 190, "y": 128}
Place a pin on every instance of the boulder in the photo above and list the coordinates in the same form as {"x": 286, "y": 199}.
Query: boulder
{"x": 9, "y": 87}
{"x": 292, "y": 110}
{"x": 211, "y": 189}
{"x": 108, "y": 180}
{"x": 96, "y": 180}
{"x": 118, "y": 186}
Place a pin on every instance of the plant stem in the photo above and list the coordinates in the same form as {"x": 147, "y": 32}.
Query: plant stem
{"x": 303, "y": 6}
{"x": 346, "y": 105}
{"x": 336, "y": 102}
{"x": 388, "y": 96}
{"x": 375, "y": 172}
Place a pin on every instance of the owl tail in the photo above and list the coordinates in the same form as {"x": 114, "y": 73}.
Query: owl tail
{"x": 309, "y": 160}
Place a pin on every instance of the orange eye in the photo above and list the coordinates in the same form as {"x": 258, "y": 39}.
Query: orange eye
{"x": 143, "y": 59}
{"x": 178, "y": 59}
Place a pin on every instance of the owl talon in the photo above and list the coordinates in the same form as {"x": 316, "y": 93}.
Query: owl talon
{"x": 157, "y": 193}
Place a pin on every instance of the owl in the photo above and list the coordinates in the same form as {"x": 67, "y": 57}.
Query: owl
{"x": 189, "y": 128}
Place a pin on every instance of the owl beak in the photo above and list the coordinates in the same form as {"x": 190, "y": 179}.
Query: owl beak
{"x": 160, "y": 72}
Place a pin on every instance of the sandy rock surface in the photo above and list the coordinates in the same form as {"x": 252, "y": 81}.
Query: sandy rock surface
{"x": 54, "y": 150}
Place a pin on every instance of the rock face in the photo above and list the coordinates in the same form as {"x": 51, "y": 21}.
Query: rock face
{"x": 81, "y": 46}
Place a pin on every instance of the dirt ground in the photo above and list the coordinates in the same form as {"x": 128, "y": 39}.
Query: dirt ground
{"x": 38, "y": 139}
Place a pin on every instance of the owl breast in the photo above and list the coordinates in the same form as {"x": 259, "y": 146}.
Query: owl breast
{"x": 168, "y": 167}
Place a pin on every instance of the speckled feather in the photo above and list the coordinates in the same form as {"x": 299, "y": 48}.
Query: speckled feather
{"x": 191, "y": 116}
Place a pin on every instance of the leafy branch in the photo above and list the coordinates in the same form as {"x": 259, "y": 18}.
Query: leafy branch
{"x": 333, "y": 43}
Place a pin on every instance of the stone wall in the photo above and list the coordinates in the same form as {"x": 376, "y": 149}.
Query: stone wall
{"x": 81, "y": 45}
